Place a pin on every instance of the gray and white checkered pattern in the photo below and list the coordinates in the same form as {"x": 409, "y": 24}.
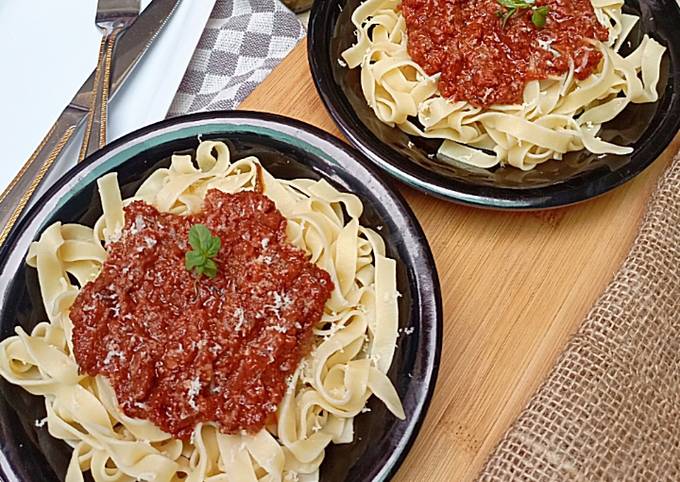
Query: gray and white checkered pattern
{"x": 241, "y": 44}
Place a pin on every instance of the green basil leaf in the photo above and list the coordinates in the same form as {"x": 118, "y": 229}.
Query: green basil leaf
{"x": 507, "y": 16}
{"x": 193, "y": 259}
{"x": 210, "y": 268}
{"x": 214, "y": 247}
{"x": 539, "y": 16}
{"x": 195, "y": 236}
{"x": 204, "y": 236}
{"x": 205, "y": 247}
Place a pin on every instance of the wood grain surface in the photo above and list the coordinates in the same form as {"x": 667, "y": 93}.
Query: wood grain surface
{"x": 515, "y": 287}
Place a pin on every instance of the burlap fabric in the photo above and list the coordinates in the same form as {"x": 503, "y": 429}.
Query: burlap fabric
{"x": 610, "y": 409}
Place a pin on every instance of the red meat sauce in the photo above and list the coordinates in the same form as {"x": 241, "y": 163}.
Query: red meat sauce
{"x": 179, "y": 349}
{"x": 485, "y": 63}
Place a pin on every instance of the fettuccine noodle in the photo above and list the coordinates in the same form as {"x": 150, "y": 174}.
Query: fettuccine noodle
{"x": 353, "y": 348}
{"x": 558, "y": 115}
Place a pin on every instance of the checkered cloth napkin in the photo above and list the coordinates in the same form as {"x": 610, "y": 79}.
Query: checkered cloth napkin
{"x": 242, "y": 42}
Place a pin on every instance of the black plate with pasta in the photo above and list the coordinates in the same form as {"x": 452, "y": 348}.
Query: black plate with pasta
{"x": 89, "y": 257}
{"x": 504, "y": 175}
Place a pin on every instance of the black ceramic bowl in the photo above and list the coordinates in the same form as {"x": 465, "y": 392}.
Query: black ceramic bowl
{"x": 648, "y": 128}
{"x": 288, "y": 149}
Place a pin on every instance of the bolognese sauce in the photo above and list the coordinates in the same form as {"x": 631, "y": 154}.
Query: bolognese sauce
{"x": 180, "y": 349}
{"x": 485, "y": 60}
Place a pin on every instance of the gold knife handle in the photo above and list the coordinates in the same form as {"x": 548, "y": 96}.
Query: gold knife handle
{"x": 96, "y": 127}
{"x": 17, "y": 195}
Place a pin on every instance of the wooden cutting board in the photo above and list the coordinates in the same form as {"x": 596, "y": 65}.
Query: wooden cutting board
{"x": 515, "y": 287}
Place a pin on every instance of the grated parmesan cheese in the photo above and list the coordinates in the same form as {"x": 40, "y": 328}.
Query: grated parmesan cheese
{"x": 290, "y": 384}
{"x": 267, "y": 260}
{"x": 547, "y": 46}
{"x": 280, "y": 301}
{"x": 194, "y": 389}
{"x": 112, "y": 354}
{"x": 115, "y": 236}
{"x": 291, "y": 476}
{"x": 138, "y": 225}
{"x": 240, "y": 316}
{"x": 279, "y": 328}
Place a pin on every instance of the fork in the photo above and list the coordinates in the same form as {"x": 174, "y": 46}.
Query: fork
{"x": 113, "y": 17}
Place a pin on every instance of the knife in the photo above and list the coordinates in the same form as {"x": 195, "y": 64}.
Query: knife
{"x": 130, "y": 49}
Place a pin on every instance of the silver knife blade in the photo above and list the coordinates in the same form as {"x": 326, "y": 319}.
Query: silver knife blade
{"x": 130, "y": 49}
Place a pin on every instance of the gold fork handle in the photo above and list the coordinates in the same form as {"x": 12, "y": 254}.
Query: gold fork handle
{"x": 96, "y": 127}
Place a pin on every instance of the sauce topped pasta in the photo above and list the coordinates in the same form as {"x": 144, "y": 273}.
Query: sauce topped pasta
{"x": 180, "y": 349}
{"x": 486, "y": 60}
{"x": 339, "y": 355}
{"x": 502, "y": 93}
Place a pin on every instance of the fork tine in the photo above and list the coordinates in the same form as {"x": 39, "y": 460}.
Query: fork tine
{"x": 114, "y": 9}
